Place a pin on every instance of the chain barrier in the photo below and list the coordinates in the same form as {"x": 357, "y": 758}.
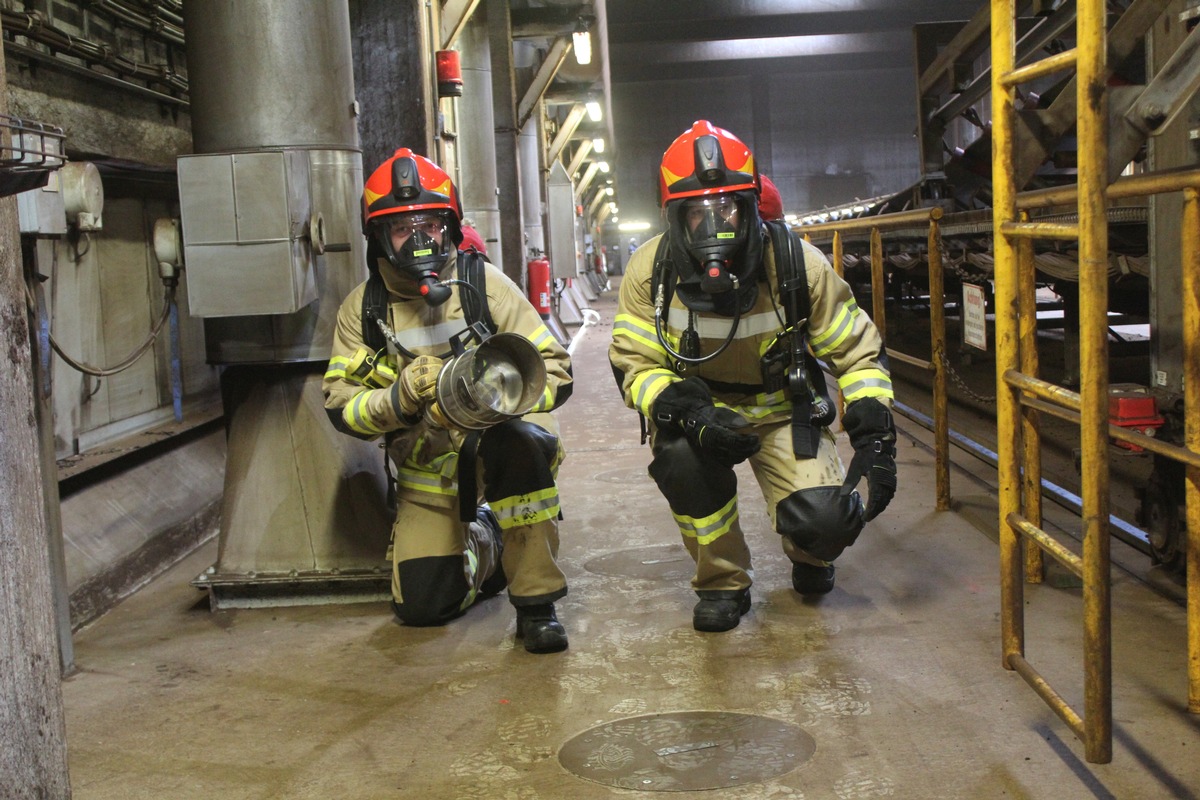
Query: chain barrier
{"x": 962, "y": 384}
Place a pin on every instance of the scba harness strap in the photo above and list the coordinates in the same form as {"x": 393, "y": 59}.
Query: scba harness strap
{"x": 795, "y": 367}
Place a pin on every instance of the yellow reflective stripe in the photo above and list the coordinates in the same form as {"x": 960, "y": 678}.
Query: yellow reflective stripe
{"x": 422, "y": 481}
{"x": 337, "y": 368}
{"x": 761, "y": 411}
{"x": 386, "y": 370}
{"x": 355, "y": 416}
{"x": 541, "y": 338}
{"x": 865, "y": 383}
{"x": 546, "y": 403}
{"x": 828, "y": 339}
{"x": 526, "y": 509}
{"x": 706, "y": 530}
{"x": 648, "y": 385}
{"x": 633, "y": 328}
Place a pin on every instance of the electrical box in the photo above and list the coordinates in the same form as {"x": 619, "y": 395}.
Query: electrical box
{"x": 246, "y": 232}
{"x": 564, "y": 226}
{"x": 41, "y": 211}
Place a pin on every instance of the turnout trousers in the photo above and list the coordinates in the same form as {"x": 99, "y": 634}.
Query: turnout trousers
{"x": 803, "y": 499}
{"x": 440, "y": 564}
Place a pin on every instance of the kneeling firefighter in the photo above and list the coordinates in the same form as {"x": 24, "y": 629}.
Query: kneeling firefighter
{"x": 719, "y": 325}
{"x": 423, "y": 299}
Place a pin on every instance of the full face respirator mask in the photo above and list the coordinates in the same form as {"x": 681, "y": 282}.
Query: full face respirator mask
{"x": 424, "y": 247}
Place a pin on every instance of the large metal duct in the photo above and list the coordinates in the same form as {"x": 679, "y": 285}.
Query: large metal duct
{"x": 273, "y": 245}
{"x": 277, "y": 168}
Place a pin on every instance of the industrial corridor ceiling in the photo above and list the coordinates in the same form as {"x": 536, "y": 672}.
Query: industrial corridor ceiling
{"x": 669, "y": 50}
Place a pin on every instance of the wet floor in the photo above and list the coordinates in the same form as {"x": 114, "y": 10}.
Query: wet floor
{"x": 890, "y": 686}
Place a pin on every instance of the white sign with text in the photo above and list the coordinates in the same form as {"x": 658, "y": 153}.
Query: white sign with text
{"x": 974, "y": 316}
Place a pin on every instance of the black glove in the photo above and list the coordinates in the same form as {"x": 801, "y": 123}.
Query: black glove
{"x": 873, "y": 436}
{"x": 687, "y": 405}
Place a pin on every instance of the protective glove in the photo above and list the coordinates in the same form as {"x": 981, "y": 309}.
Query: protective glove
{"x": 435, "y": 416}
{"x": 873, "y": 436}
{"x": 417, "y": 385}
{"x": 687, "y": 405}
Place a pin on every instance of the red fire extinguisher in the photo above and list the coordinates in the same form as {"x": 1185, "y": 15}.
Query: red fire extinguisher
{"x": 539, "y": 285}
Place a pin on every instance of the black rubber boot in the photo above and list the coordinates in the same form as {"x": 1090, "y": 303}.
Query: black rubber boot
{"x": 811, "y": 579}
{"x": 720, "y": 611}
{"x": 540, "y": 629}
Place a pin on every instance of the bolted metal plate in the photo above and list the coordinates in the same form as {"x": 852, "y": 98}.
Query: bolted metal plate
{"x": 687, "y": 751}
{"x": 661, "y": 562}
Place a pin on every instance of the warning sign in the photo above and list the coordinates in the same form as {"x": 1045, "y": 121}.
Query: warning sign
{"x": 974, "y": 316}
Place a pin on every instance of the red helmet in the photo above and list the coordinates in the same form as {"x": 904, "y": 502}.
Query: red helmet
{"x": 418, "y": 196}
{"x": 709, "y": 187}
{"x": 770, "y": 204}
{"x": 409, "y": 182}
{"x": 705, "y": 160}
{"x": 471, "y": 238}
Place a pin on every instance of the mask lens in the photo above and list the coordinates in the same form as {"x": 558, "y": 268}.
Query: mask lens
{"x": 708, "y": 217}
{"x": 404, "y": 225}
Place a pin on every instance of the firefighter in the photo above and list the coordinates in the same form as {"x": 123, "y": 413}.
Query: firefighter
{"x": 726, "y": 371}
{"x": 382, "y": 382}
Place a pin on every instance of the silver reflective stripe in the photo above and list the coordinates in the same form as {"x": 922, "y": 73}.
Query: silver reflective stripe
{"x": 718, "y": 327}
{"x": 437, "y": 336}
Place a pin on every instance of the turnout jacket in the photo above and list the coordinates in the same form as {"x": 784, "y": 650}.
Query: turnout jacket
{"x": 357, "y": 382}
{"x": 838, "y": 333}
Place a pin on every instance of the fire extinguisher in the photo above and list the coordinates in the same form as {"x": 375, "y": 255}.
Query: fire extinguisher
{"x": 539, "y": 285}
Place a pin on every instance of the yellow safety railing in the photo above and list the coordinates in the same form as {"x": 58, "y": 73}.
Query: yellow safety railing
{"x": 1022, "y": 396}
{"x": 1017, "y": 427}
{"x": 875, "y": 226}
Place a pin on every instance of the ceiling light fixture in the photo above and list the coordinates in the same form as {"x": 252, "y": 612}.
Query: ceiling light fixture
{"x": 582, "y": 42}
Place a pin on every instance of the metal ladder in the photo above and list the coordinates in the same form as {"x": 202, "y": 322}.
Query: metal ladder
{"x": 1016, "y": 365}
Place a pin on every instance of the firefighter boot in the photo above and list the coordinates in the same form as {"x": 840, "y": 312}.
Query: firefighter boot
{"x": 811, "y": 579}
{"x": 720, "y": 610}
{"x": 540, "y": 629}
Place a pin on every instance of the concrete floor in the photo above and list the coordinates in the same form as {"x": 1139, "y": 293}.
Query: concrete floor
{"x": 896, "y": 675}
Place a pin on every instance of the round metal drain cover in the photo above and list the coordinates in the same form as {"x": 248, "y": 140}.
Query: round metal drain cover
{"x": 623, "y": 475}
{"x": 687, "y": 751}
{"x": 662, "y": 562}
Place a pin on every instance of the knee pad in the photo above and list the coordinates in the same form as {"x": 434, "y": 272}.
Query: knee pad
{"x": 820, "y": 521}
{"x": 690, "y": 483}
{"x": 433, "y": 590}
{"x": 516, "y": 458}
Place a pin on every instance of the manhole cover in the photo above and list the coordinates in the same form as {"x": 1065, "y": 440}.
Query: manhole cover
{"x": 687, "y": 751}
{"x": 661, "y": 562}
{"x": 624, "y": 475}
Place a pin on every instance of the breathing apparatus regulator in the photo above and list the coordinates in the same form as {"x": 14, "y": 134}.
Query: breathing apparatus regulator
{"x": 709, "y": 186}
